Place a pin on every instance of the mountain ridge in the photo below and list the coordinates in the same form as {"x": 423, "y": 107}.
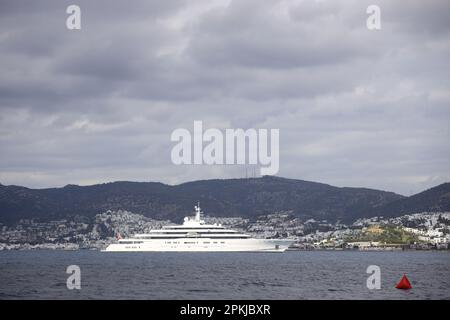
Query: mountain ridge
{"x": 245, "y": 197}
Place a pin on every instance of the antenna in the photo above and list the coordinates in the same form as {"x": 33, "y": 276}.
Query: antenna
{"x": 197, "y": 212}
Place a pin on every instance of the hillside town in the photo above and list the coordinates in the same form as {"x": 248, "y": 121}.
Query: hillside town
{"x": 420, "y": 231}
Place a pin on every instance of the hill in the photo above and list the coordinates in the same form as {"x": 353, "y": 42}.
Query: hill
{"x": 228, "y": 197}
{"x": 436, "y": 199}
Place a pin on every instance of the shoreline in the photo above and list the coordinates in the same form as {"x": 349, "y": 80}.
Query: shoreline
{"x": 288, "y": 250}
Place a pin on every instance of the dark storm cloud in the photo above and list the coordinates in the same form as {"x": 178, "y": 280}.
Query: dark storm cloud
{"x": 354, "y": 107}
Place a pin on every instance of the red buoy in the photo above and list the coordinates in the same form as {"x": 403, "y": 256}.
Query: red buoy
{"x": 404, "y": 283}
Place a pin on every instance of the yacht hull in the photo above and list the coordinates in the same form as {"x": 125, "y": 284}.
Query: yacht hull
{"x": 201, "y": 245}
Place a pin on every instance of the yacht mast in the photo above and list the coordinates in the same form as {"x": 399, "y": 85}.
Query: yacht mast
{"x": 197, "y": 212}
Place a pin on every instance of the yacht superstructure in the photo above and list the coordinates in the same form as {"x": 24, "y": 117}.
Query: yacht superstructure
{"x": 195, "y": 235}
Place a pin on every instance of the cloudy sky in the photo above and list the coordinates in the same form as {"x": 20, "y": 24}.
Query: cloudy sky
{"x": 354, "y": 107}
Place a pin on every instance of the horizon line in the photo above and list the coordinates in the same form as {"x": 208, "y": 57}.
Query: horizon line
{"x": 241, "y": 178}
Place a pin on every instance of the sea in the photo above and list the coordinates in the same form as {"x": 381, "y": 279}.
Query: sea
{"x": 297, "y": 275}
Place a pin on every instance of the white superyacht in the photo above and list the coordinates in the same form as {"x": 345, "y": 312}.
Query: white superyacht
{"x": 194, "y": 235}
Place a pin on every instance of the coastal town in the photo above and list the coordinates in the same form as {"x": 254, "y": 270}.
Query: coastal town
{"x": 420, "y": 231}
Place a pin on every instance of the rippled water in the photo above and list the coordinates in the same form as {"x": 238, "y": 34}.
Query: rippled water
{"x": 290, "y": 275}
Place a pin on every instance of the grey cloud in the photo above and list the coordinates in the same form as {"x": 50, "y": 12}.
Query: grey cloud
{"x": 354, "y": 107}
{"x": 266, "y": 40}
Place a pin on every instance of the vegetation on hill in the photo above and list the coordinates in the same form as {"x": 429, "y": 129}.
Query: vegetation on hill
{"x": 388, "y": 234}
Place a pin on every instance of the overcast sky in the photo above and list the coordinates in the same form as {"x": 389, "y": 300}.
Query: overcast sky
{"x": 354, "y": 107}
